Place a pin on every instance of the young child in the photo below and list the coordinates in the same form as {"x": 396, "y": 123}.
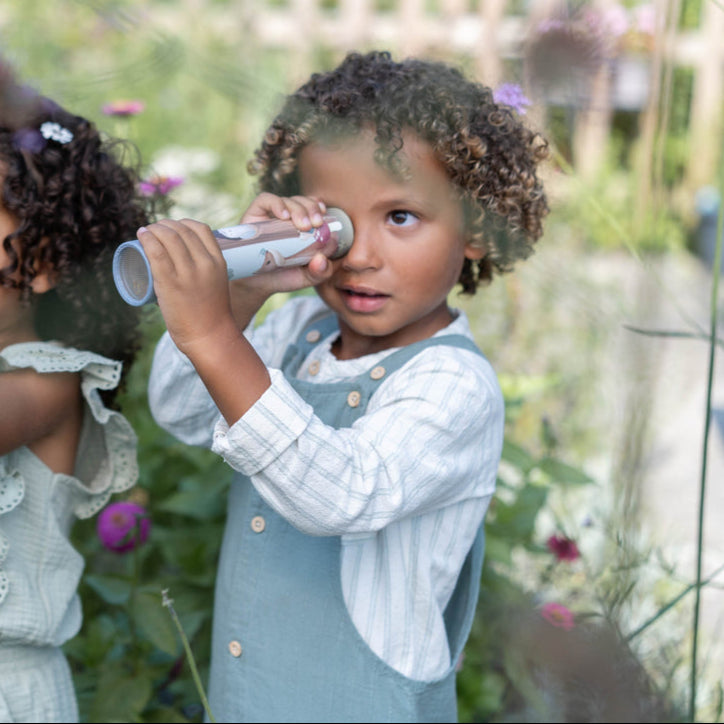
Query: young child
{"x": 66, "y": 343}
{"x": 364, "y": 423}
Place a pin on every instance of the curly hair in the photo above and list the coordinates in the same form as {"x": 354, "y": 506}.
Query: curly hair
{"x": 489, "y": 155}
{"x": 75, "y": 197}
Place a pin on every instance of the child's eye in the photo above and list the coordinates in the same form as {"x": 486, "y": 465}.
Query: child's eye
{"x": 402, "y": 218}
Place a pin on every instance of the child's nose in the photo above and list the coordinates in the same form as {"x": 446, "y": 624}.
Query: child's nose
{"x": 364, "y": 252}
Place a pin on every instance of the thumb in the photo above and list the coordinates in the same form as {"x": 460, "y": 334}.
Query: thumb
{"x": 319, "y": 268}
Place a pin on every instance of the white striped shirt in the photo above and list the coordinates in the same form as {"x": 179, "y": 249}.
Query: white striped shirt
{"x": 405, "y": 487}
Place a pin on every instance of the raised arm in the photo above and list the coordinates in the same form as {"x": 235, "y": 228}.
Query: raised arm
{"x": 204, "y": 318}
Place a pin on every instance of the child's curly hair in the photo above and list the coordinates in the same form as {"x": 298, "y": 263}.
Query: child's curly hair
{"x": 489, "y": 155}
{"x": 75, "y": 196}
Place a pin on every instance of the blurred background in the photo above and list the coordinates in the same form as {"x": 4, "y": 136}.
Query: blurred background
{"x": 601, "y": 596}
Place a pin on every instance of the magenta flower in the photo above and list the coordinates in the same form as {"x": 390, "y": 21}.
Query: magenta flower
{"x": 563, "y": 548}
{"x": 123, "y": 108}
{"x": 558, "y": 615}
{"x": 123, "y": 525}
{"x": 159, "y": 185}
{"x": 511, "y": 94}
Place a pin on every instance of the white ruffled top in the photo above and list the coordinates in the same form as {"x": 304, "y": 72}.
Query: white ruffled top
{"x": 39, "y": 568}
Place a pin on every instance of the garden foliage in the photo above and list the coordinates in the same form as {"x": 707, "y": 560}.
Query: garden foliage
{"x": 575, "y": 620}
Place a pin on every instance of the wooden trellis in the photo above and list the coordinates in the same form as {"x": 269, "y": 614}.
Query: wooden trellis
{"x": 492, "y": 35}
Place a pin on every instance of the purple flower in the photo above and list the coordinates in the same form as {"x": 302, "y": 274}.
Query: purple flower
{"x": 29, "y": 139}
{"x": 558, "y": 615}
{"x": 123, "y": 525}
{"x": 159, "y": 185}
{"x": 511, "y": 94}
{"x": 123, "y": 108}
{"x": 565, "y": 549}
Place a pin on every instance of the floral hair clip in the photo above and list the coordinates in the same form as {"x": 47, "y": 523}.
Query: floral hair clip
{"x": 55, "y": 132}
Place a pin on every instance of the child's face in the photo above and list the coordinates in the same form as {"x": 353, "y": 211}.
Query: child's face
{"x": 15, "y": 318}
{"x": 409, "y": 245}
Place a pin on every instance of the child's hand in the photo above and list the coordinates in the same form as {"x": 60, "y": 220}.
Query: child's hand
{"x": 190, "y": 280}
{"x": 304, "y": 211}
{"x": 249, "y": 293}
{"x": 191, "y": 284}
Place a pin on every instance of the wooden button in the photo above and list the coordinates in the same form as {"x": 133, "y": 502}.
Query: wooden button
{"x": 353, "y": 398}
{"x": 377, "y": 372}
{"x": 258, "y": 523}
{"x": 314, "y": 367}
{"x": 313, "y": 335}
{"x": 235, "y": 649}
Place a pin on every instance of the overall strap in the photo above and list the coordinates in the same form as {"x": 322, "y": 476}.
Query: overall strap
{"x": 340, "y": 404}
{"x": 322, "y": 326}
{"x": 318, "y": 327}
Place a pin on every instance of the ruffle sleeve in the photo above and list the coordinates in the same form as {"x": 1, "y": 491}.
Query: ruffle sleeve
{"x": 12, "y": 490}
{"x": 107, "y": 456}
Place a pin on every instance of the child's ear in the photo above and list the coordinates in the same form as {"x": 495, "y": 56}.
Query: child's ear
{"x": 42, "y": 283}
{"x": 44, "y": 279}
{"x": 475, "y": 252}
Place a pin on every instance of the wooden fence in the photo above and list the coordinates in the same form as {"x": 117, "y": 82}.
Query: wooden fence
{"x": 493, "y": 36}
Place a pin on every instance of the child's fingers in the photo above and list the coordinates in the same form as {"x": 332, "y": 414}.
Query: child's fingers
{"x": 177, "y": 250}
{"x": 196, "y": 232}
{"x": 177, "y": 240}
{"x": 266, "y": 206}
{"x": 319, "y": 269}
{"x": 303, "y": 211}
{"x": 154, "y": 240}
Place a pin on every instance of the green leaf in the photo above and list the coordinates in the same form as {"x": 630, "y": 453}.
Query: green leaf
{"x": 517, "y": 456}
{"x": 112, "y": 590}
{"x": 515, "y": 521}
{"x": 121, "y": 696}
{"x": 201, "y": 504}
{"x": 497, "y": 549}
{"x": 164, "y": 716}
{"x": 154, "y": 621}
{"x": 560, "y": 472}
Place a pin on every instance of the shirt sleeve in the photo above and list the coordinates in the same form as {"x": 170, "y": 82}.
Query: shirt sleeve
{"x": 179, "y": 400}
{"x": 431, "y": 436}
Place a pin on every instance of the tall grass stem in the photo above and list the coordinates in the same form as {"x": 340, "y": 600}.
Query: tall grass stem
{"x": 168, "y": 603}
{"x": 716, "y": 273}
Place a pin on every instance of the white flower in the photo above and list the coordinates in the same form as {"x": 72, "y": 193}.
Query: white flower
{"x": 55, "y": 132}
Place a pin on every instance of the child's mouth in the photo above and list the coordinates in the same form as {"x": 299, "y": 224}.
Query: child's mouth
{"x": 363, "y": 300}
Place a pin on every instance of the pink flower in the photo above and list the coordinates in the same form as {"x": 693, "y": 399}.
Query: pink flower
{"x": 123, "y": 108}
{"x": 159, "y": 185}
{"x": 646, "y": 18}
{"x": 123, "y": 525}
{"x": 558, "y": 615}
{"x": 511, "y": 94}
{"x": 564, "y": 548}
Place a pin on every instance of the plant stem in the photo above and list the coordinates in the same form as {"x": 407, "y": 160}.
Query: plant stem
{"x": 671, "y": 604}
{"x": 168, "y": 603}
{"x": 716, "y": 270}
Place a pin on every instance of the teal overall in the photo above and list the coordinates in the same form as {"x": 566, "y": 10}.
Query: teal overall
{"x": 284, "y": 647}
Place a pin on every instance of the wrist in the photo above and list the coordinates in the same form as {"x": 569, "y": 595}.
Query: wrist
{"x": 202, "y": 349}
{"x": 230, "y": 368}
{"x": 246, "y": 301}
